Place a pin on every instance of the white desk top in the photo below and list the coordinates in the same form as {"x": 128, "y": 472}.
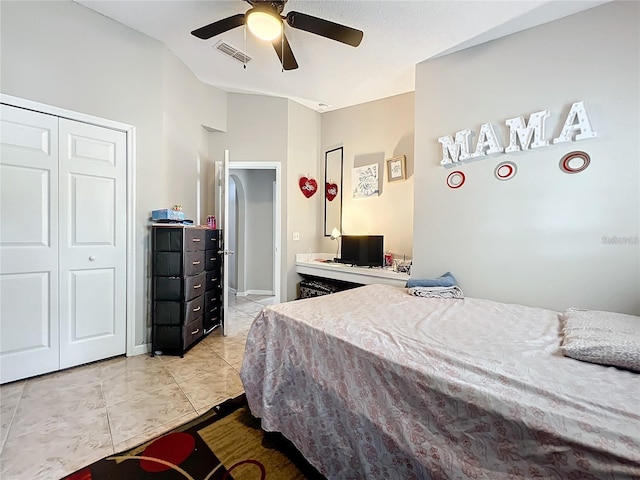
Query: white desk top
{"x": 312, "y": 264}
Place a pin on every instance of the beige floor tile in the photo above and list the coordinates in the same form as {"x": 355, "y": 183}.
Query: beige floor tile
{"x": 189, "y": 366}
{"x": 146, "y": 410}
{"x": 251, "y": 309}
{"x": 9, "y": 397}
{"x": 58, "y": 408}
{"x": 131, "y": 382}
{"x": 119, "y": 365}
{"x": 231, "y": 352}
{"x": 212, "y": 387}
{"x": 72, "y": 377}
{"x": 47, "y": 455}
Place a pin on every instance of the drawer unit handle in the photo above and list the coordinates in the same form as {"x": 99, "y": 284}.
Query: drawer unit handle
{"x": 195, "y": 331}
{"x": 212, "y": 259}
{"x": 197, "y": 286}
{"x": 197, "y": 240}
{"x": 197, "y": 309}
{"x": 196, "y": 263}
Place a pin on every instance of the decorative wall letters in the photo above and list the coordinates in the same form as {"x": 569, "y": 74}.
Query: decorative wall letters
{"x": 522, "y": 136}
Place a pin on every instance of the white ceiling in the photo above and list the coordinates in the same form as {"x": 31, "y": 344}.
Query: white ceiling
{"x": 397, "y": 36}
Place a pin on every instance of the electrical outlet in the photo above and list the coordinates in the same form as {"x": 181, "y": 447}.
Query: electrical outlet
{"x": 296, "y": 235}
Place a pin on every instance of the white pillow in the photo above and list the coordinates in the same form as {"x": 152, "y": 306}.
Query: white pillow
{"x": 601, "y": 337}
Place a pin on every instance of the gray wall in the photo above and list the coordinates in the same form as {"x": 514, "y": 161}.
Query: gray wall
{"x": 536, "y": 239}
{"x": 63, "y": 54}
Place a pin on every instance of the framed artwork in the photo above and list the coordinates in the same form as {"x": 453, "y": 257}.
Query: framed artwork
{"x": 397, "y": 168}
{"x": 364, "y": 181}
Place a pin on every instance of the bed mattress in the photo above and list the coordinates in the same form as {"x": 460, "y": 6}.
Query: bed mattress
{"x": 373, "y": 383}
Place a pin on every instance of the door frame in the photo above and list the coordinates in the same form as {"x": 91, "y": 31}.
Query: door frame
{"x": 277, "y": 234}
{"x": 130, "y": 131}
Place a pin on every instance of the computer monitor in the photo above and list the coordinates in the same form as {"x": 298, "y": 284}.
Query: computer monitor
{"x": 362, "y": 250}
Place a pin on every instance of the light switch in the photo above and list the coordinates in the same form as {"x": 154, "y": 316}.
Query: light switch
{"x": 296, "y": 235}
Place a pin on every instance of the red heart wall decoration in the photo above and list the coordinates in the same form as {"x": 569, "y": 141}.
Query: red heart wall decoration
{"x": 331, "y": 190}
{"x": 308, "y": 186}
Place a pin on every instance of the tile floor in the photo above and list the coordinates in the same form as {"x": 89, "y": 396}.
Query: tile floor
{"x": 54, "y": 424}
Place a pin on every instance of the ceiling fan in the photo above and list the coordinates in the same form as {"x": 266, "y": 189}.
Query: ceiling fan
{"x": 264, "y": 20}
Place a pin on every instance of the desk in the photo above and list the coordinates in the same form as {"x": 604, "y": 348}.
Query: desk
{"x": 306, "y": 264}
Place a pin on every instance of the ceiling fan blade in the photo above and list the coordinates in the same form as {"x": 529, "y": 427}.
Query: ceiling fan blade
{"x": 325, "y": 28}
{"x": 221, "y": 26}
{"x": 283, "y": 49}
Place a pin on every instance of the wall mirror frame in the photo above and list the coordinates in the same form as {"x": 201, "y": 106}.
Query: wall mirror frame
{"x": 333, "y": 190}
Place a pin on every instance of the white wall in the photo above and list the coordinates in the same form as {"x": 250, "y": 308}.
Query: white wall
{"x": 371, "y": 133}
{"x": 63, "y": 54}
{"x": 536, "y": 239}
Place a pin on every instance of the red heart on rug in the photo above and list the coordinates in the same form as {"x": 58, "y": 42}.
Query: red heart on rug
{"x": 331, "y": 190}
{"x": 308, "y": 186}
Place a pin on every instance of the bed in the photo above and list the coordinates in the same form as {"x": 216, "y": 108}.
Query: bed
{"x": 373, "y": 383}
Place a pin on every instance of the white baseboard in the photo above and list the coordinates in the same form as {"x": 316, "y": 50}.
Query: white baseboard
{"x": 259, "y": 292}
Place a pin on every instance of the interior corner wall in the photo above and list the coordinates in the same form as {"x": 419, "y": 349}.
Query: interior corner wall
{"x": 372, "y": 133}
{"x": 303, "y": 214}
{"x": 543, "y": 238}
{"x": 66, "y": 55}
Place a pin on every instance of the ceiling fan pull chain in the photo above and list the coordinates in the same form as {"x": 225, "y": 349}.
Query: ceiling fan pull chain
{"x": 244, "y": 59}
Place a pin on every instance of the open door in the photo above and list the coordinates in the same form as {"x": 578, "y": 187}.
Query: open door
{"x": 222, "y": 211}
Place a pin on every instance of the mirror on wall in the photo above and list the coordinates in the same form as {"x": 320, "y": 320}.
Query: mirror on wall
{"x": 332, "y": 190}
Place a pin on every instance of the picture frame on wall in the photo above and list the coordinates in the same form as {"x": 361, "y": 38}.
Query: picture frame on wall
{"x": 397, "y": 168}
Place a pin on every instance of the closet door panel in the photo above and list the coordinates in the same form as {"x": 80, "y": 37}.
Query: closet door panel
{"x": 92, "y": 243}
{"x": 92, "y": 295}
{"x": 29, "y": 285}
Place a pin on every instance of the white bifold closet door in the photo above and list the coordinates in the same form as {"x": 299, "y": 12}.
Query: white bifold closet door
{"x": 62, "y": 243}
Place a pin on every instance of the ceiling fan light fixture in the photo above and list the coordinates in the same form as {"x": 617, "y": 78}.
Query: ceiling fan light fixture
{"x": 264, "y": 25}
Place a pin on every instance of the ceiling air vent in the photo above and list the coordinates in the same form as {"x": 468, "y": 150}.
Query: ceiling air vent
{"x": 233, "y": 52}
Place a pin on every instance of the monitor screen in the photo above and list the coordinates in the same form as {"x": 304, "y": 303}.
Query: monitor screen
{"x": 362, "y": 250}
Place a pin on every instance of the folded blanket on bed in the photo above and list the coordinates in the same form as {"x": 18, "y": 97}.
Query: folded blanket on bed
{"x": 446, "y": 280}
{"x": 437, "y": 292}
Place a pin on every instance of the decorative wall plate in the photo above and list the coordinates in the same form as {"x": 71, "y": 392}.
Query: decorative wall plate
{"x": 455, "y": 179}
{"x": 505, "y": 170}
{"x": 575, "y": 162}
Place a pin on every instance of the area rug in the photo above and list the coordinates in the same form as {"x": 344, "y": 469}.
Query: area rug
{"x": 226, "y": 443}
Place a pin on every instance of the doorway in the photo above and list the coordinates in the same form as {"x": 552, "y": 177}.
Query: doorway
{"x": 254, "y": 227}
